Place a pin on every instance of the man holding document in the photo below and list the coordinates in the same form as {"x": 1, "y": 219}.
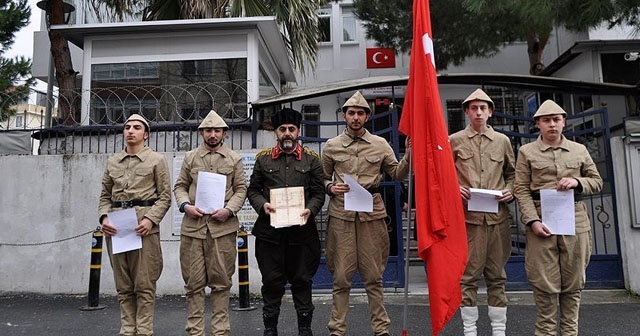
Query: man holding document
{"x": 485, "y": 165}
{"x": 286, "y": 191}
{"x": 210, "y": 190}
{"x": 357, "y": 236}
{"x": 550, "y": 171}
{"x": 135, "y": 196}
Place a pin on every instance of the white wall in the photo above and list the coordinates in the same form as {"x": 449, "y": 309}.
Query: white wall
{"x": 51, "y": 198}
{"x": 629, "y": 237}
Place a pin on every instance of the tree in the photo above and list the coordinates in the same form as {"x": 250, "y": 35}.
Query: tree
{"x": 68, "y": 98}
{"x": 15, "y": 73}
{"x": 478, "y": 28}
{"x": 297, "y": 17}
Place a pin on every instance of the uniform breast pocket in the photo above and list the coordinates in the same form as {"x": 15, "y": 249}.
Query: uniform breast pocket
{"x": 228, "y": 172}
{"x": 144, "y": 176}
{"x": 344, "y": 163}
{"x": 194, "y": 174}
{"x": 463, "y": 162}
{"x": 117, "y": 176}
{"x": 572, "y": 168}
{"x": 371, "y": 166}
{"x": 496, "y": 162}
{"x": 303, "y": 173}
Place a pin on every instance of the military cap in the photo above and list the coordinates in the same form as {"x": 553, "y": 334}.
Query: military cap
{"x": 478, "y": 95}
{"x": 357, "y": 100}
{"x": 549, "y": 107}
{"x": 139, "y": 118}
{"x": 286, "y": 116}
{"x": 213, "y": 120}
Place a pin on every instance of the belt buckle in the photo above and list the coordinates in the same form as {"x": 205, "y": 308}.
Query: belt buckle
{"x": 126, "y": 204}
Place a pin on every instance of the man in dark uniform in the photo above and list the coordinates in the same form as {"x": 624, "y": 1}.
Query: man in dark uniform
{"x": 287, "y": 254}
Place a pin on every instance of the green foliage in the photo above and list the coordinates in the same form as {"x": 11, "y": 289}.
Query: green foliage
{"x": 478, "y": 28}
{"x": 15, "y": 74}
{"x": 457, "y": 32}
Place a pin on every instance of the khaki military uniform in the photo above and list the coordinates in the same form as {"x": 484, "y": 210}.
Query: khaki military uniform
{"x": 289, "y": 254}
{"x": 485, "y": 161}
{"x": 142, "y": 177}
{"x": 358, "y": 240}
{"x": 208, "y": 248}
{"x": 556, "y": 265}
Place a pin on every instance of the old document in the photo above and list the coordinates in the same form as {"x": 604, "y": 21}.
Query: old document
{"x": 210, "y": 191}
{"x": 483, "y": 200}
{"x": 289, "y": 204}
{"x": 126, "y": 239}
{"x": 558, "y": 211}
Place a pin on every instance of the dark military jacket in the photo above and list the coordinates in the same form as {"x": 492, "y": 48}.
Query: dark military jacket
{"x": 286, "y": 171}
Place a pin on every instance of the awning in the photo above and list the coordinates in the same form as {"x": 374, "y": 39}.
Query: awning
{"x": 508, "y": 80}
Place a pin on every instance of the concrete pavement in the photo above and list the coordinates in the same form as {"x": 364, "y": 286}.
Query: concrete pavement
{"x": 603, "y": 312}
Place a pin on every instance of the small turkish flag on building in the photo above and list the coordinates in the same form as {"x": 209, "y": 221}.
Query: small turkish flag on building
{"x": 381, "y": 58}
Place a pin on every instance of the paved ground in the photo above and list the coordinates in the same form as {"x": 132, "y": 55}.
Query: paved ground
{"x": 603, "y": 313}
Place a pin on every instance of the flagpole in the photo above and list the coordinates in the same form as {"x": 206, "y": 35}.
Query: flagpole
{"x": 405, "y": 314}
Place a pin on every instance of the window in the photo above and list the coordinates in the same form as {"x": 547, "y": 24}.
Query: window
{"x": 324, "y": 24}
{"x": 348, "y": 26}
{"x": 183, "y": 91}
{"x": 311, "y": 112}
{"x": 20, "y": 121}
{"x": 455, "y": 116}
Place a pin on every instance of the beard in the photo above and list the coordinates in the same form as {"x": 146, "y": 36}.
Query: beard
{"x": 287, "y": 143}
{"x": 213, "y": 143}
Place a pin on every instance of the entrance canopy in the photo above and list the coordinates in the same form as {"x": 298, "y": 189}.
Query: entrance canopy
{"x": 520, "y": 81}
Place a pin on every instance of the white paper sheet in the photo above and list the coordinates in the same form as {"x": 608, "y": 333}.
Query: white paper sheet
{"x": 558, "y": 211}
{"x": 210, "y": 191}
{"x": 358, "y": 198}
{"x": 483, "y": 200}
{"x": 126, "y": 239}
{"x": 289, "y": 204}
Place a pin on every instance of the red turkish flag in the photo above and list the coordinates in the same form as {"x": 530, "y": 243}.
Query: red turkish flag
{"x": 442, "y": 235}
{"x": 381, "y": 58}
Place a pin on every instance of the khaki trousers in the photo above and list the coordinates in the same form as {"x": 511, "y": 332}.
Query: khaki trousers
{"x": 208, "y": 262}
{"x": 489, "y": 250}
{"x": 135, "y": 274}
{"x": 556, "y": 268}
{"x": 361, "y": 246}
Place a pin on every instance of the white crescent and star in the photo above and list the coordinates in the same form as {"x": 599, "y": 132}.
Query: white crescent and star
{"x": 427, "y": 45}
{"x": 374, "y": 57}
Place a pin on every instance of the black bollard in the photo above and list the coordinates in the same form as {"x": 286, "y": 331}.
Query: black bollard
{"x": 94, "y": 272}
{"x": 243, "y": 271}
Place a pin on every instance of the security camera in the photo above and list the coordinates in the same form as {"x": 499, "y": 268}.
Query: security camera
{"x": 631, "y": 56}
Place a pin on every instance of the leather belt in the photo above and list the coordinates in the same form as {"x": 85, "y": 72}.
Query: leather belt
{"x": 132, "y": 203}
{"x": 536, "y": 196}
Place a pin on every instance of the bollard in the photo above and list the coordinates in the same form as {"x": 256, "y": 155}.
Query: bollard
{"x": 94, "y": 272}
{"x": 243, "y": 271}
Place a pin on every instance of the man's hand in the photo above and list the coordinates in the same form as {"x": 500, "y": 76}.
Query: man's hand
{"x": 108, "y": 229}
{"x": 193, "y": 211}
{"x": 339, "y": 188}
{"x": 221, "y": 215}
{"x": 507, "y": 196}
{"x": 539, "y": 229}
{"x": 567, "y": 183}
{"x": 268, "y": 208}
{"x": 465, "y": 193}
{"x": 305, "y": 216}
{"x": 144, "y": 227}
{"x": 407, "y": 146}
